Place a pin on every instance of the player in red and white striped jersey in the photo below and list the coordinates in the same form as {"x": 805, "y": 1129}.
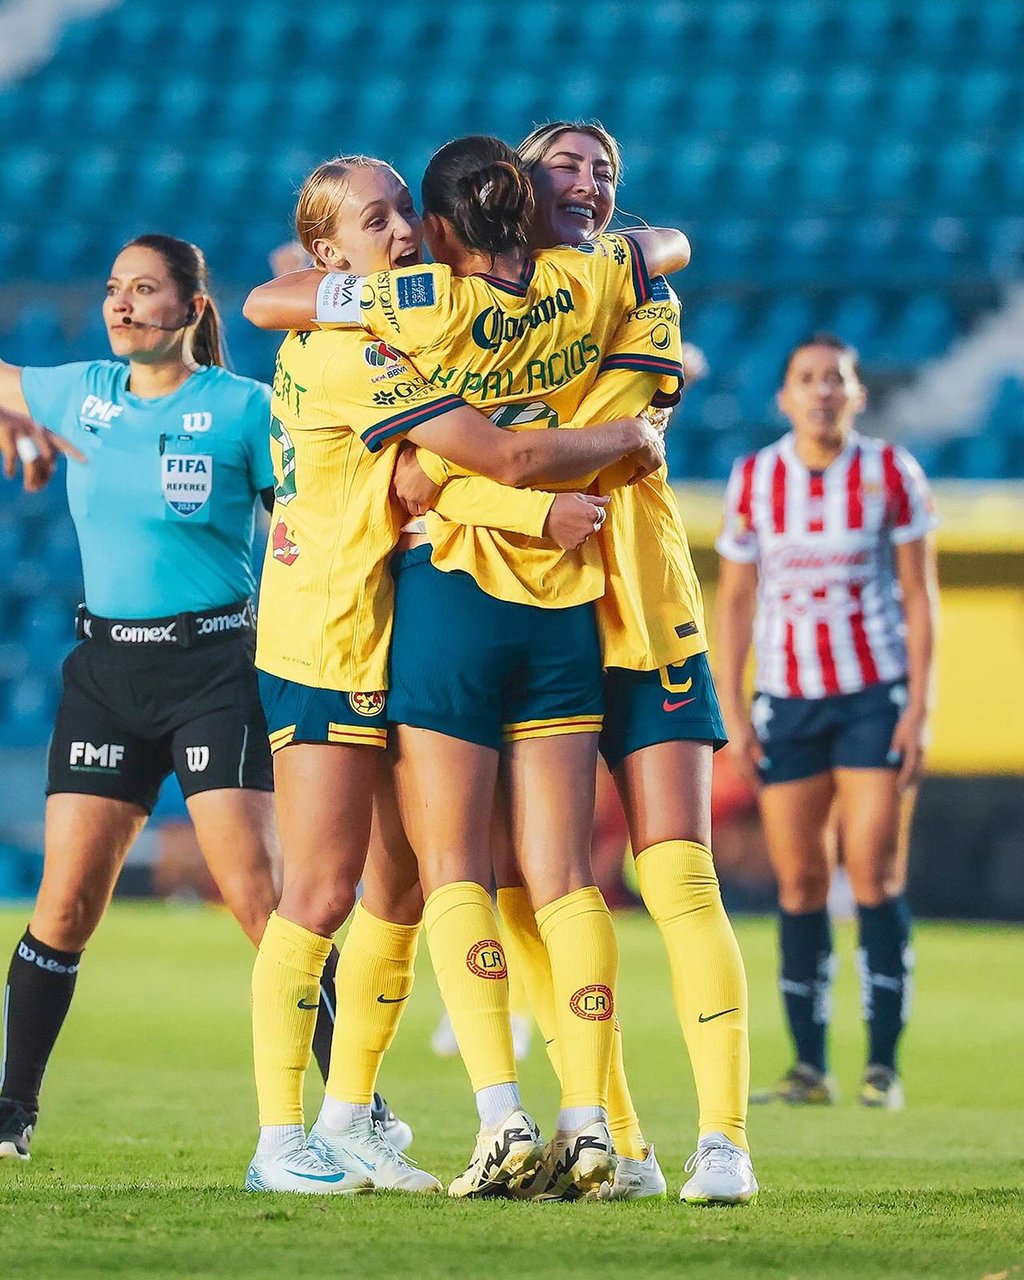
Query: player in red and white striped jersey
{"x": 827, "y": 566}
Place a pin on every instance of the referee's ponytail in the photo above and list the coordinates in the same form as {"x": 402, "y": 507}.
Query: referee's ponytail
{"x": 186, "y": 265}
{"x": 479, "y": 185}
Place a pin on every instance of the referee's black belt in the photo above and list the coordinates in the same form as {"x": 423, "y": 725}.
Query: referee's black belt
{"x": 181, "y": 631}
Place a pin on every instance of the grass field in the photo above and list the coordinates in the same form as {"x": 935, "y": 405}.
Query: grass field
{"x": 149, "y": 1122}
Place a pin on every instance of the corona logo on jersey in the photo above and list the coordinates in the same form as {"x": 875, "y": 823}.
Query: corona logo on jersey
{"x": 487, "y": 960}
{"x": 187, "y": 481}
{"x": 367, "y": 704}
{"x": 594, "y": 1003}
{"x": 493, "y": 327}
{"x": 285, "y": 551}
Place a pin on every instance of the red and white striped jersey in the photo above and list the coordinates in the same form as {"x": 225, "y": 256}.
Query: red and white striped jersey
{"x": 829, "y": 607}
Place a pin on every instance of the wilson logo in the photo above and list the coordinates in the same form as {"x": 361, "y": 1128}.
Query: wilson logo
{"x": 197, "y": 758}
{"x": 595, "y": 1003}
{"x": 196, "y": 422}
{"x": 487, "y": 960}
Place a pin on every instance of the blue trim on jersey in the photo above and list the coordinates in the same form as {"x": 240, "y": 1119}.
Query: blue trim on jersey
{"x": 641, "y": 276}
{"x": 643, "y": 363}
{"x": 377, "y": 436}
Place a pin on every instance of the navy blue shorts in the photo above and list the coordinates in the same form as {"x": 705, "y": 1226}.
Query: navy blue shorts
{"x": 485, "y": 670}
{"x": 300, "y": 713}
{"x": 643, "y": 708}
{"x": 802, "y": 737}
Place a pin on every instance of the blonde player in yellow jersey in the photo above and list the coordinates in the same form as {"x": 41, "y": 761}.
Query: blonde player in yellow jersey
{"x": 662, "y": 720}
{"x": 339, "y": 400}
{"x": 506, "y": 649}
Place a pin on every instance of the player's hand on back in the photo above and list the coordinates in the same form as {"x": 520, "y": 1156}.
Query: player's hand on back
{"x": 650, "y": 457}
{"x": 412, "y": 488}
{"x": 573, "y": 517}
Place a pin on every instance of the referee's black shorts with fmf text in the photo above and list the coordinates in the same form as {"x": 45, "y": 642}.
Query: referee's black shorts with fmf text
{"x": 144, "y": 697}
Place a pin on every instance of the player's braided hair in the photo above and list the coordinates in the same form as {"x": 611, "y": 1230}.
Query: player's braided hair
{"x": 480, "y": 186}
{"x": 186, "y": 265}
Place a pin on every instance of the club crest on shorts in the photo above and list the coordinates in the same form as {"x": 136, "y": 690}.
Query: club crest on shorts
{"x": 367, "y": 704}
{"x": 594, "y": 1003}
{"x": 487, "y": 960}
{"x": 187, "y": 480}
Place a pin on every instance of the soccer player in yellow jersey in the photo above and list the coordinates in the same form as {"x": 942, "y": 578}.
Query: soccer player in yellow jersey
{"x": 662, "y": 720}
{"x": 526, "y": 670}
{"x": 340, "y": 400}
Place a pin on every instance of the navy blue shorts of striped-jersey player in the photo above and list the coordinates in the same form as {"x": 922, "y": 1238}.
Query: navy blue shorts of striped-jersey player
{"x": 470, "y": 666}
{"x": 301, "y": 713}
{"x": 802, "y": 737}
{"x": 643, "y": 708}
{"x": 132, "y": 712}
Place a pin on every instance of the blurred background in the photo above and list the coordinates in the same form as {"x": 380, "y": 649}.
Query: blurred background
{"x": 854, "y": 165}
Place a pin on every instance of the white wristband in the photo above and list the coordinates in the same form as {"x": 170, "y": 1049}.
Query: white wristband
{"x": 337, "y": 299}
{"x": 28, "y": 450}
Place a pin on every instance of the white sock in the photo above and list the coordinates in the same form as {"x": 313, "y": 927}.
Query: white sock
{"x": 273, "y": 1137}
{"x": 338, "y": 1116}
{"x": 495, "y": 1102}
{"x": 572, "y": 1118}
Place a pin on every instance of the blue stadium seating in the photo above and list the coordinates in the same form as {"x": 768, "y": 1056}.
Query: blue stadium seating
{"x": 857, "y": 167}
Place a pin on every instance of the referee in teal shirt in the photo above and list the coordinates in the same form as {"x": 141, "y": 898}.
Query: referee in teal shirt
{"x": 177, "y": 453}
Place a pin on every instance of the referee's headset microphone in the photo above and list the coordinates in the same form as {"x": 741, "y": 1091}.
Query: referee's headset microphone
{"x": 190, "y": 318}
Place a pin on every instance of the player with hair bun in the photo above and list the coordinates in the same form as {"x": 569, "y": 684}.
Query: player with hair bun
{"x": 342, "y": 400}
{"x": 522, "y": 671}
{"x": 827, "y": 566}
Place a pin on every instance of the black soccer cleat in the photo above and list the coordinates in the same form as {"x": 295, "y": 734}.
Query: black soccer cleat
{"x": 16, "y": 1125}
{"x": 397, "y": 1132}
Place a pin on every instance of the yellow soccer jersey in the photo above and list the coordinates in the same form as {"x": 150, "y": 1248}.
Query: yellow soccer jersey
{"x": 652, "y": 613}
{"x": 326, "y": 595}
{"x": 525, "y": 353}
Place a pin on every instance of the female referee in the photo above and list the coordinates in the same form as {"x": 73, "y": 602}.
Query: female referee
{"x": 340, "y": 398}
{"x": 828, "y": 566}
{"x": 662, "y": 720}
{"x": 176, "y": 450}
{"x": 523, "y": 665}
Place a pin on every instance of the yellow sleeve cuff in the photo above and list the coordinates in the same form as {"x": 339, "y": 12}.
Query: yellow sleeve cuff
{"x": 480, "y": 502}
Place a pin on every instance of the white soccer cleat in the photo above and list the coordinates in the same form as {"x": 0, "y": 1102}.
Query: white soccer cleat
{"x": 522, "y": 1035}
{"x": 634, "y": 1180}
{"x": 503, "y": 1157}
{"x": 722, "y": 1173}
{"x": 443, "y": 1040}
{"x": 575, "y": 1165}
{"x": 364, "y": 1151}
{"x": 297, "y": 1168}
{"x": 397, "y": 1132}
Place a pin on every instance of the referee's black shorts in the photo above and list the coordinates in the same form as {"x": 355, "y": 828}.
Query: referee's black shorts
{"x": 129, "y": 714}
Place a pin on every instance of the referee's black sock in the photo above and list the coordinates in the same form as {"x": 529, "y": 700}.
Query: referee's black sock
{"x": 806, "y": 981}
{"x": 324, "y": 1030}
{"x": 40, "y": 984}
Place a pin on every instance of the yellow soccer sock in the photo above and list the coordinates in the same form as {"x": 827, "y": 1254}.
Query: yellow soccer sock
{"x": 374, "y": 980}
{"x": 584, "y": 957}
{"x": 680, "y": 888}
{"x": 285, "y": 997}
{"x": 623, "y": 1121}
{"x": 529, "y": 958}
{"x": 469, "y": 962}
